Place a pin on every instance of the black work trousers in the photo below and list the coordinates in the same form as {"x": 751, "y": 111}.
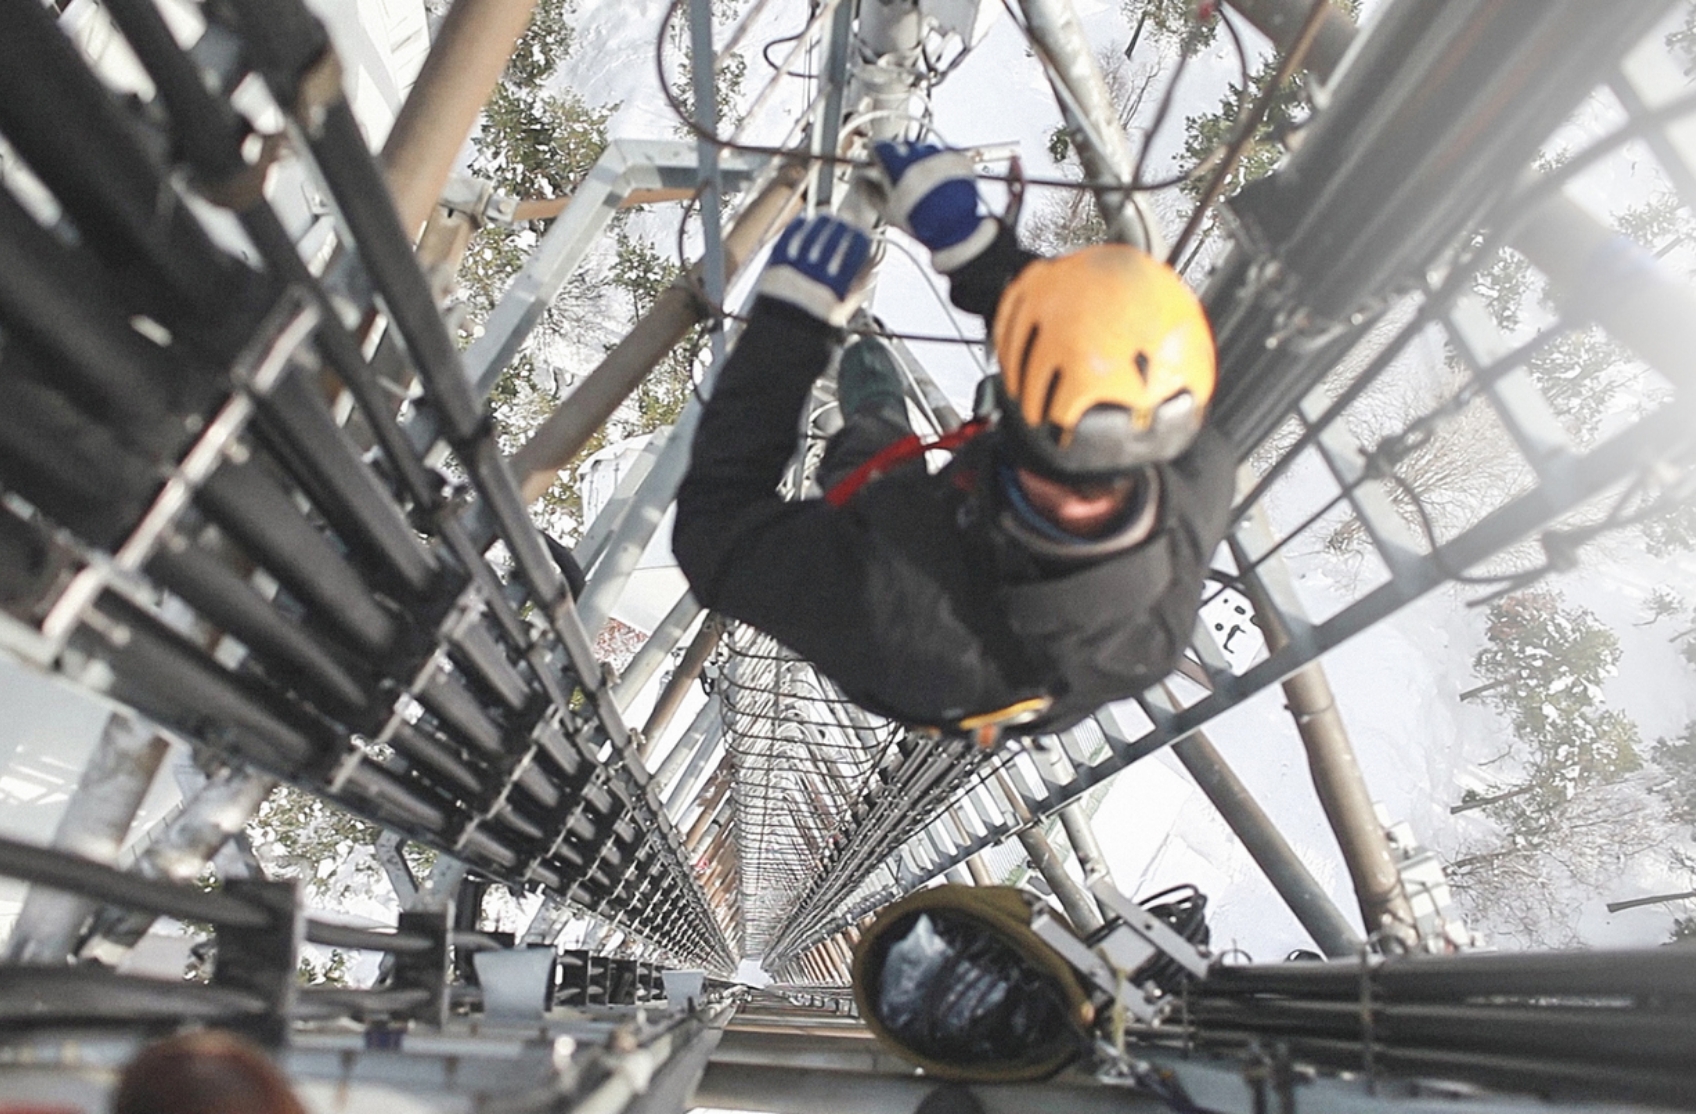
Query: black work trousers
{"x": 864, "y": 434}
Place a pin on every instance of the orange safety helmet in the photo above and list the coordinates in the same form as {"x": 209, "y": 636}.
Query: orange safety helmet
{"x": 1107, "y": 362}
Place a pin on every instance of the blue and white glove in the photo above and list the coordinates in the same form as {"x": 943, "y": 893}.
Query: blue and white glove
{"x": 933, "y": 197}
{"x": 815, "y": 265}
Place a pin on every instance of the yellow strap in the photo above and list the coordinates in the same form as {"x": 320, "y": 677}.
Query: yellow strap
{"x": 986, "y": 728}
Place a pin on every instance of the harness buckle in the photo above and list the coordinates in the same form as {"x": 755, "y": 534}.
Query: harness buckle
{"x": 987, "y": 728}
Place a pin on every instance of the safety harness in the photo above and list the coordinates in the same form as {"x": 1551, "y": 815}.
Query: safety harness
{"x": 896, "y": 453}
{"x": 986, "y": 729}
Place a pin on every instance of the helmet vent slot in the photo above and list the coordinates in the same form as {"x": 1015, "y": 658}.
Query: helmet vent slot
{"x": 1048, "y": 395}
{"x": 1025, "y": 358}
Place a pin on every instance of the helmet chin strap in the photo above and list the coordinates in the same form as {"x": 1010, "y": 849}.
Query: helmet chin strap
{"x": 988, "y": 397}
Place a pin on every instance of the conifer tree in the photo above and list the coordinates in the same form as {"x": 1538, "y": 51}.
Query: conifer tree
{"x": 537, "y": 140}
{"x": 296, "y": 835}
{"x": 1676, "y": 758}
{"x": 1543, "y": 666}
{"x": 1576, "y": 812}
{"x": 1583, "y": 373}
{"x": 1206, "y": 135}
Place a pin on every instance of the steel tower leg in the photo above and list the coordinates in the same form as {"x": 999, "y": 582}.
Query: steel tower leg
{"x": 1078, "y": 903}
{"x": 688, "y": 670}
{"x": 94, "y": 824}
{"x": 711, "y": 799}
{"x": 685, "y": 757}
{"x": 1348, "y": 804}
{"x": 1092, "y": 121}
{"x": 1294, "y": 883}
{"x": 465, "y": 63}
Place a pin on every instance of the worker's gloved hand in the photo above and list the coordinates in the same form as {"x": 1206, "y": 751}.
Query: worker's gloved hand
{"x": 933, "y": 196}
{"x": 815, "y": 266}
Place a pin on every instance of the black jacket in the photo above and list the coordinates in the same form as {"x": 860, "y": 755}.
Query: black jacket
{"x": 909, "y": 597}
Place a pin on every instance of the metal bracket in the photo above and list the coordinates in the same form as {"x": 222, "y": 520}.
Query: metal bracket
{"x": 427, "y": 970}
{"x": 263, "y": 960}
{"x": 625, "y": 166}
{"x": 1153, "y": 932}
{"x": 1121, "y": 947}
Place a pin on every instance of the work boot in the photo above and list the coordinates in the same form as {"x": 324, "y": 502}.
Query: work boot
{"x": 869, "y": 380}
{"x": 874, "y": 410}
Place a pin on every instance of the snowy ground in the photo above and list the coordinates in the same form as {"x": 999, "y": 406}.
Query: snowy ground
{"x": 1397, "y": 686}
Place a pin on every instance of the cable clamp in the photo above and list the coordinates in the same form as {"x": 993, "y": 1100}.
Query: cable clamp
{"x": 245, "y": 188}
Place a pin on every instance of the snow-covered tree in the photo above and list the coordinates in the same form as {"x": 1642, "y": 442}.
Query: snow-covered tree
{"x": 1582, "y": 372}
{"x": 1673, "y": 531}
{"x": 1448, "y": 474}
{"x": 1685, "y": 640}
{"x": 1527, "y": 887}
{"x": 641, "y": 274}
{"x": 1543, "y": 668}
{"x": 1207, "y": 133}
{"x": 536, "y": 141}
{"x": 1661, "y": 603}
{"x": 1581, "y": 805}
{"x": 296, "y": 835}
{"x": 1682, "y": 42}
{"x": 1179, "y": 21}
{"x": 1676, "y": 758}
{"x": 1067, "y": 219}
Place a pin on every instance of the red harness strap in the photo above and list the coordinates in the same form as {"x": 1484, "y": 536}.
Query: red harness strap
{"x": 896, "y": 453}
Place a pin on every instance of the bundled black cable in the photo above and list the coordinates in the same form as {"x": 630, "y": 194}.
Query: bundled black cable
{"x": 1184, "y": 909}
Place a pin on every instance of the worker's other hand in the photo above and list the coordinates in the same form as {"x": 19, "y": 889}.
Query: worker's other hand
{"x": 816, "y": 265}
{"x": 933, "y": 196}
